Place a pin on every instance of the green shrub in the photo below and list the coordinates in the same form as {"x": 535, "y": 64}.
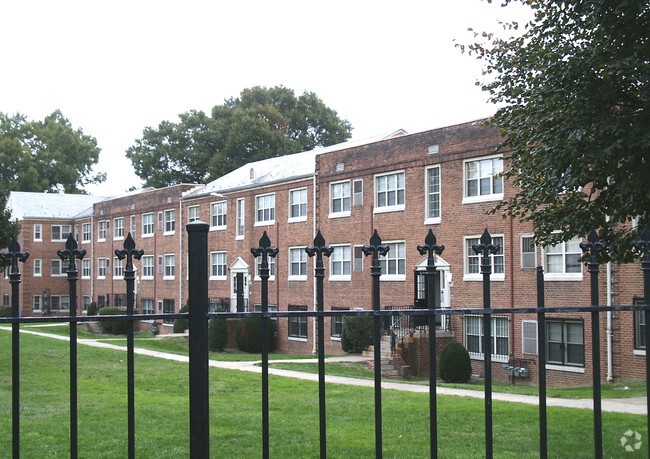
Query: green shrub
{"x": 180, "y": 325}
{"x": 455, "y": 365}
{"x": 249, "y": 335}
{"x": 217, "y": 334}
{"x": 92, "y": 309}
{"x": 357, "y": 333}
{"x": 116, "y": 327}
{"x": 5, "y": 310}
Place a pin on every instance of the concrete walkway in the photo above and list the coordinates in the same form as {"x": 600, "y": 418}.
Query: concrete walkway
{"x": 634, "y": 405}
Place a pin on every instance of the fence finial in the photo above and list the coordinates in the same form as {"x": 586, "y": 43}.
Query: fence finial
{"x": 318, "y": 250}
{"x": 594, "y": 247}
{"x": 14, "y": 255}
{"x": 71, "y": 252}
{"x": 129, "y": 252}
{"x": 485, "y": 248}
{"x": 429, "y": 248}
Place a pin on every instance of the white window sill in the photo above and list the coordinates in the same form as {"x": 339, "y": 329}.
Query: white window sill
{"x": 297, "y": 219}
{"x": 37, "y": 311}
{"x": 265, "y": 223}
{"x": 119, "y": 238}
{"x": 118, "y": 277}
{"x": 38, "y": 240}
{"x": 169, "y": 233}
{"x": 144, "y": 236}
{"x": 98, "y": 240}
{"x": 479, "y": 277}
{"x": 495, "y": 358}
{"x": 83, "y": 242}
{"x": 85, "y": 277}
{"x": 639, "y": 352}
{"x": 566, "y": 368}
{"x": 335, "y": 338}
{"x": 38, "y": 275}
{"x": 57, "y": 275}
{"x": 146, "y": 278}
{"x": 340, "y": 278}
{"x": 393, "y": 277}
{"x": 432, "y": 221}
{"x": 295, "y": 338}
{"x": 166, "y": 278}
{"x": 218, "y": 228}
{"x": 239, "y": 238}
{"x": 339, "y": 214}
{"x": 386, "y": 209}
{"x": 485, "y": 198}
{"x": 297, "y": 278}
{"x": 168, "y": 325}
{"x": 571, "y": 277}
{"x": 218, "y": 278}
{"x": 101, "y": 277}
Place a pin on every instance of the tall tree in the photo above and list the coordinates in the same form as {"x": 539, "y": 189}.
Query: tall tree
{"x": 575, "y": 92}
{"x": 261, "y": 123}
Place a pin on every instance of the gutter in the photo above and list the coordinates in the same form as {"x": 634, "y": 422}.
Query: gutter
{"x": 610, "y": 363}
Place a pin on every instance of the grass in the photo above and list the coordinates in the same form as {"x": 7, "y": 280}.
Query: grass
{"x": 235, "y": 414}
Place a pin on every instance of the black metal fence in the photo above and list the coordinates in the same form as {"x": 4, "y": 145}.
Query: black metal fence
{"x": 198, "y": 336}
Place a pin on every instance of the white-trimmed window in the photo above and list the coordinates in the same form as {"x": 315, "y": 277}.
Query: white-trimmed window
{"x": 297, "y": 263}
{"x": 85, "y": 269}
{"x": 36, "y": 305}
{"x": 133, "y": 226}
{"x": 118, "y": 228}
{"x": 86, "y": 234}
{"x": 340, "y": 199}
{"x": 218, "y": 265}
{"x": 170, "y": 221}
{"x": 358, "y": 258}
{"x": 639, "y": 326}
{"x": 101, "y": 268}
{"x": 389, "y": 192}
{"x": 170, "y": 266}
{"x": 340, "y": 263}
{"x": 38, "y": 267}
{"x": 528, "y": 252}
{"x": 118, "y": 269}
{"x": 102, "y": 229}
{"x": 147, "y": 225}
{"x": 357, "y": 192}
{"x": 562, "y": 261}
{"x": 337, "y": 324}
{"x": 60, "y": 302}
{"x": 38, "y": 232}
{"x": 499, "y": 334}
{"x": 192, "y": 214}
{"x": 473, "y": 260}
{"x": 147, "y": 305}
{"x": 483, "y": 181}
{"x": 529, "y": 337}
{"x": 240, "y": 219}
{"x": 265, "y": 209}
{"x": 147, "y": 267}
{"x": 432, "y": 195}
{"x": 565, "y": 342}
{"x": 60, "y": 232}
{"x": 393, "y": 264}
{"x": 258, "y": 263}
{"x": 218, "y": 213}
{"x": 56, "y": 268}
{"x": 297, "y": 325}
{"x": 298, "y": 205}
{"x": 85, "y": 303}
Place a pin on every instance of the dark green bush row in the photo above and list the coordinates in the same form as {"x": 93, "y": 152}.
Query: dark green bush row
{"x": 217, "y": 334}
{"x": 357, "y": 333}
{"x": 249, "y": 335}
{"x": 180, "y": 325}
{"x": 92, "y": 309}
{"x": 117, "y": 327}
{"x": 5, "y": 310}
{"x": 455, "y": 364}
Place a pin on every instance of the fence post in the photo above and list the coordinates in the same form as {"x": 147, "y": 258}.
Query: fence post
{"x": 197, "y": 241}
{"x": 643, "y": 245}
{"x": 70, "y": 254}
{"x": 485, "y": 248}
{"x": 541, "y": 351}
{"x": 130, "y": 253}
{"x": 594, "y": 246}
{"x": 318, "y": 250}
{"x": 375, "y": 249}
{"x": 14, "y": 256}
{"x": 265, "y": 250}
{"x": 429, "y": 248}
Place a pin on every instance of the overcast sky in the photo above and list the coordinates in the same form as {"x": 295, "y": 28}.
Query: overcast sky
{"x": 115, "y": 67}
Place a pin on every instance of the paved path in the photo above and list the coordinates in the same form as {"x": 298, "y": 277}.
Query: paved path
{"x": 635, "y": 405}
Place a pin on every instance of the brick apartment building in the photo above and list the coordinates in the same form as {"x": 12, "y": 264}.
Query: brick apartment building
{"x": 402, "y": 185}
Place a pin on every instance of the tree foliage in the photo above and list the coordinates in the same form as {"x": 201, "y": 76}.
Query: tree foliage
{"x": 574, "y": 86}
{"x": 261, "y": 123}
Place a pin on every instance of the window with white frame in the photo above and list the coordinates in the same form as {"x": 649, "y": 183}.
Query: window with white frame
{"x": 265, "y": 209}
{"x": 483, "y": 181}
{"x": 85, "y": 269}
{"x": 56, "y": 268}
{"x": 86, "y": 233}
{"x": 218, "y": 213}
{"x": 38, "y": 267}
{"x": 147, "y": 267}
{"x": 219, "y": 265}
{"x": 147, "y": 305}
{"x": 192, "y": 214}
{"x": 147, "y": 225}
{"x": 60, "y": 232}
{"x": 297, "y": 325}
{"x": 528, "y": 252}
{"x": 393, "y": 264}
{"x": 170, "y": 221}
{"x": 562, "y": 261}
{"x": 529, "y": 337}
{"x": 133, "y": 227}
{"x": 340, "y": 262}
{"x": 60, "y": 302}
{"x": 118, "y": 228}
{"x": 499, "y": 334}
{"x": 240, "y": 218}
{"x": 358, "y": 258}
{"x": 337, "y": 324}
{"x": 432, "y": 196}
{"x": 102, "y": 229}
{"x": 101, "y": 268}
{"x": 473, "y": 260}
{"x": 258, "y": 264}
{"x": 118, "y": 269}
{"x": 340, "y": 199}
{"x": 297, "y": 263}
{"x": 38, "y": 232}
{"x": 170, "y": 266}
{"x": 85, "y": 303}
{"x": 298, "y": 205}
{"x": 639, "y": 326}
{"x": 357, "y": 192}
{"x": 565, "y": 342}
{"x": 389, "y": 192}
{"x": 76, "y": 232}
{"x": 36, "y": 305}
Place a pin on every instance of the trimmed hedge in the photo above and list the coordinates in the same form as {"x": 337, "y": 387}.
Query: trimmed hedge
{"x": 180, "y": 325}
{"x": 249, "y": 335}
{"x": 455, "y": 364}
{"x": 117, "y": 327}
{"x": 217, "y": 334}
{"x": 5, "y": 310}
{"x": 357, "y": 333}
{"x": 92, "y": 309}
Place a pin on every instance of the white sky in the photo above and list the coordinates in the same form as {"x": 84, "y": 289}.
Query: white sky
{"x": 113, "y": 68}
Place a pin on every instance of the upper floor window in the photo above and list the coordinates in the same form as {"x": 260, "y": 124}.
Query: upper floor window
{"x": 56, "y": 268}
{"x": 265, "y": 209}
{"x": 170, "y": 221}
{"x": 132, "y": 217}
{"x": 528, "y": 252}
{"x": 473, "y": 260}
{"x": 562, "y": 261}
{"x": 192, "y": 214}
{"x": 357, "y": 193}
{"x": 102, "y": 264}
{"x": 218, "y": 211}
{"x": 147, "y": 224}
{"x": 85, "y": 269}
{"x": 38, "y": 269}
{"x": 432, "y": 195}
{"x": 393, "y": 264}
{"x": 170, "y": 266}
{"x": 60, "y": 232}
{"x": 219, "y": 265}
{"x": 86, "y": 232}
{"x": 340, "y": 262}
{"x": 340, "y": 199}
{"x": 240, "y": 219}
{"x": 258, "y": 264}
{"x": 38, "y": 232}
{"x": 298, "y": 205}
{"x": 118, "y": 269}
{"x": 102, "y": 229}
{"x": 297, "y": 263}
{"x": 482, "y": 180}
{"x": 118, "y": 228}
{"x": 389, "y": 192}
{"x": 147, "y": 267}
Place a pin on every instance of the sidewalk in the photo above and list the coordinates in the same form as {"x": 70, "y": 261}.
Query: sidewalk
{"x": 635, "y": 405}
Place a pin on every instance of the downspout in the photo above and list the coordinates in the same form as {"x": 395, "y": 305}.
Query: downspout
{"x": 180, "y": 252}
{"x": 610, "y": 363}
{"x": 512, "y": 293}
{"x": 92, "y": 256}
{"x": 313, "y": 319}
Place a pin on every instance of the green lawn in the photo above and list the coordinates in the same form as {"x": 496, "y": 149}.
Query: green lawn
{"x": 235, "y": 414}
